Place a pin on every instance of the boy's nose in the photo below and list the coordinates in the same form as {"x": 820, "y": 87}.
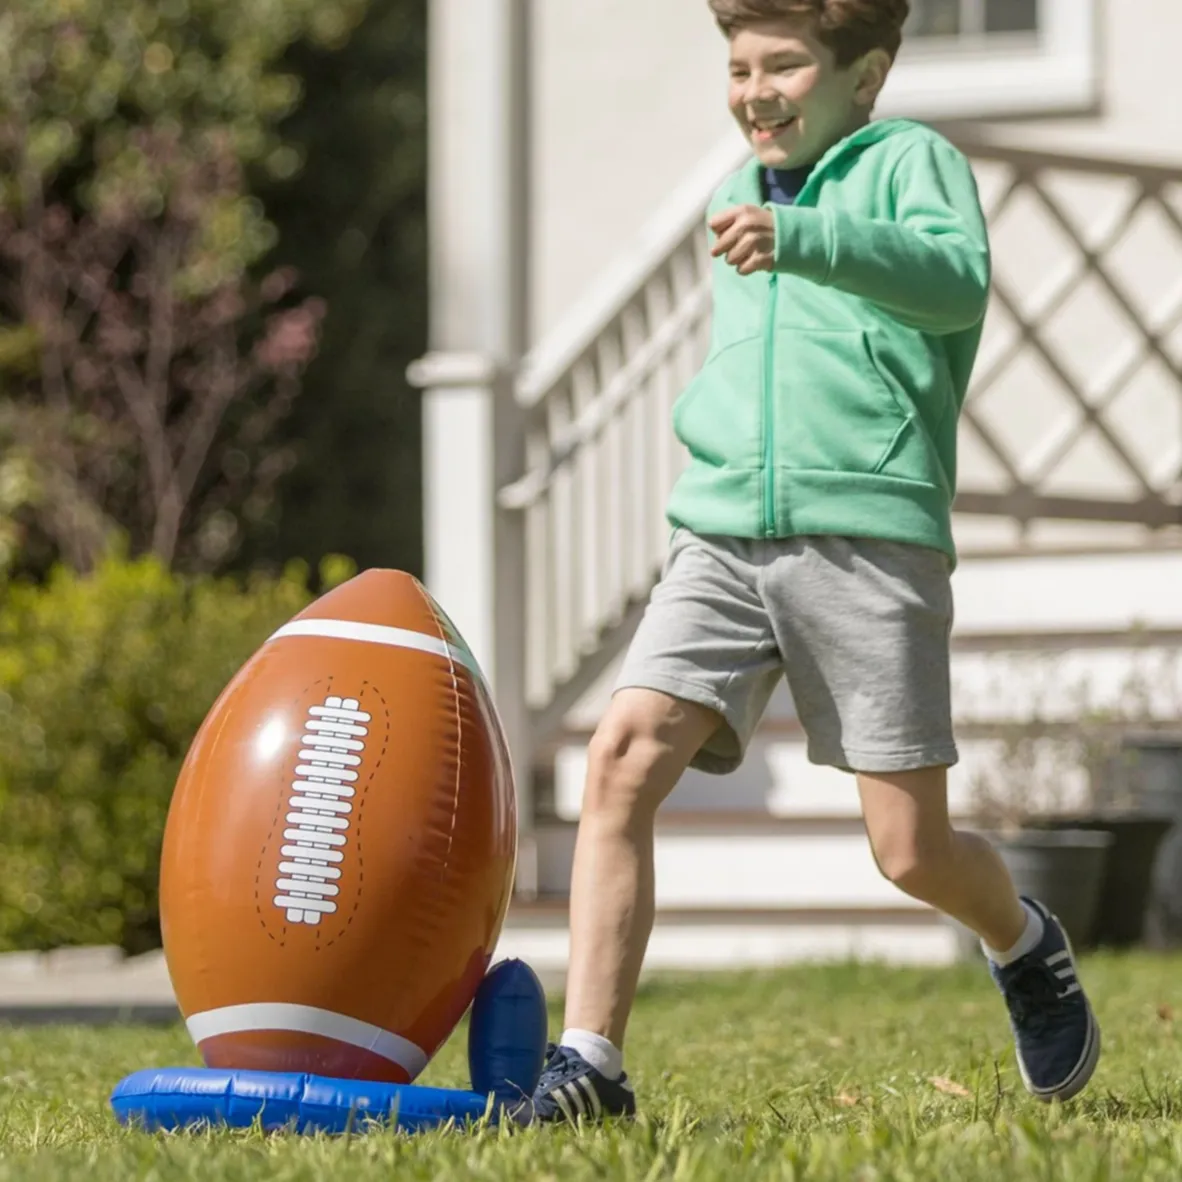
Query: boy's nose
{"x": 759, "y": 93}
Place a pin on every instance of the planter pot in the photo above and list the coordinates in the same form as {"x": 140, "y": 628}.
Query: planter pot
{"x": 1124, "y": 896}
{"x": 1148, "y": 771}
{"x": 1062, "y": 868}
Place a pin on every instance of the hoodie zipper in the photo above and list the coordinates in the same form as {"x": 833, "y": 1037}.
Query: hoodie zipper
{"x": 859, "y": 139}
{"x": 769, "y": 438}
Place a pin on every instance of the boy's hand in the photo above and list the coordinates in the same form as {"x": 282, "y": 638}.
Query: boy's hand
{"x": 747, "y": 236}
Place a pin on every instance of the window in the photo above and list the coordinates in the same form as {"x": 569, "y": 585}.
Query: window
{"x": 971, "y": 18}
{"x": 965, "y": 59}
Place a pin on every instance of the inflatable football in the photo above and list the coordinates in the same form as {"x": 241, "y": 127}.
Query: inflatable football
{"x": 340, "y": 848}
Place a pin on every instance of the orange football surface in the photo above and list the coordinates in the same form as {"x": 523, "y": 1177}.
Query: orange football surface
{"x": 340, "y": 848}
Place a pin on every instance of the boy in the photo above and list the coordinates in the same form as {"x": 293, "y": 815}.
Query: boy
{"x": 812, "y": 534}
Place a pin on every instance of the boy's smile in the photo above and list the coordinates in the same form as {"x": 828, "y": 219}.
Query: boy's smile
{"x": 767, "y": 131}
{"x": 789, "y": 96}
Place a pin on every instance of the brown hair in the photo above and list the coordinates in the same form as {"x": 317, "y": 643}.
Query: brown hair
{"x": 850, "y": 28}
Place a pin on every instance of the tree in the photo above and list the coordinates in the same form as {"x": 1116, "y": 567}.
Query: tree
{"x": 144, "y": 364}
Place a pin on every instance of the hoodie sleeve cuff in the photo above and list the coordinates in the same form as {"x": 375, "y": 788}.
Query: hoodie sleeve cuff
{"x": 804, "y": 242}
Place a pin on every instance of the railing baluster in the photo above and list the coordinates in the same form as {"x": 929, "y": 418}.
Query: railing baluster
{"x": 650, "y": 432}
{"x": 638, "y": 328}
{"x": 587, "y": 384}
{"x": 541, "y": 585}
{"x": 657, "y": 428}
{"x": 563, "y": 534}
{"x": 612, "y": 551}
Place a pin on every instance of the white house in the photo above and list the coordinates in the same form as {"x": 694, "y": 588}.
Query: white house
{"x": 574, "y": 146}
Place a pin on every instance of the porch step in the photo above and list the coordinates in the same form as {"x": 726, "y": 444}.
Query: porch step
{"x": 777, "y": 782}
{"x": 697, "y": 940}
{"x": 1070, "y": 597}
{"x": 732, "y": 862}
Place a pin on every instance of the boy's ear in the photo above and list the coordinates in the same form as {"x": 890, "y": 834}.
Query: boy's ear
{"x": 872, "y": 70}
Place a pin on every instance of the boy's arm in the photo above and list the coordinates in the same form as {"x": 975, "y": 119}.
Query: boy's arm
{"x": 929, "y": 267}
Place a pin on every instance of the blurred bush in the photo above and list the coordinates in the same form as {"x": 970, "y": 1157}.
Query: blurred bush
{"x": 104, "y": 680}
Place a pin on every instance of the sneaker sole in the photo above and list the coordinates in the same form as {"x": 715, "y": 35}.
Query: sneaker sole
{"x": 1085, "y": 1068}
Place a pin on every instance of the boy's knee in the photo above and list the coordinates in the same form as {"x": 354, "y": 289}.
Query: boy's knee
{"x": 907, "y": 822}
{"x": 622, "y": 758}
{"x": 916, "y": 865}
{"x": 636, "y": 756}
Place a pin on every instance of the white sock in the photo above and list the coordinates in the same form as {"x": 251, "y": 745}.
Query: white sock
{"x": 1027, "y": 941}
{"x": 605, "y": 1057}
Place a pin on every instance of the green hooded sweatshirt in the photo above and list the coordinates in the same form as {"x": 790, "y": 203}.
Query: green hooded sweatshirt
{"x": 829, "y": 399}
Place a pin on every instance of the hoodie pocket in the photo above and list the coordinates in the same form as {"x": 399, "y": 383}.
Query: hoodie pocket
{"x": 718, "y": 417}
{"x": 834, "y": 410}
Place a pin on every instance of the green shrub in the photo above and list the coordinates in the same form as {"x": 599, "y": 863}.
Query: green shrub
{"x": 104, "y": 680}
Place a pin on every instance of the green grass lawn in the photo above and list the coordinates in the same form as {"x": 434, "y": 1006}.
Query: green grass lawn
{"x": 851, "y": 1073}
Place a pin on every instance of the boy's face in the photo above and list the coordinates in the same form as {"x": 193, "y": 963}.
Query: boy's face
{"x": 789, "y": 97}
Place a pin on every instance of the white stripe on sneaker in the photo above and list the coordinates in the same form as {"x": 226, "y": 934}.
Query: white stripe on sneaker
{"x": 592, "y": 1096}
{"x": 574, "y": 1094}
{"x": 561, "y": 1100}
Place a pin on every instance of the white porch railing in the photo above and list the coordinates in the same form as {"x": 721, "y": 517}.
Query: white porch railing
{"x": 1075, "y": 413}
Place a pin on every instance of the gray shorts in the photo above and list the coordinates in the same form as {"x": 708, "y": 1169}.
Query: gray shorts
{"x": 859, "y": 627}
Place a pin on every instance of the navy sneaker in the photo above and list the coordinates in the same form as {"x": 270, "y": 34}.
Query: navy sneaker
{"x": 1057, "y": 1038}
{"x": 570, "y": 1088}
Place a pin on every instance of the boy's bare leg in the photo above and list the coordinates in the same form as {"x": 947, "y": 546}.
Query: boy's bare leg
{"x": 916, "y": 848}
{"x": 640, "y": 750}
{"x": 1055, "y": 1031}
